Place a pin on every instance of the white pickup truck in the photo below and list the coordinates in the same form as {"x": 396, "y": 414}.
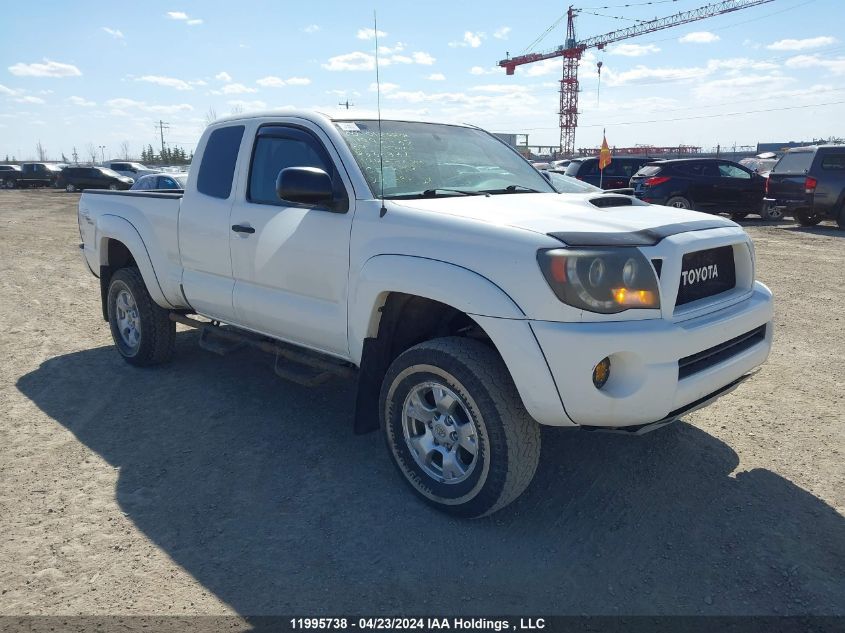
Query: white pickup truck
{"x": 471, "y": 300}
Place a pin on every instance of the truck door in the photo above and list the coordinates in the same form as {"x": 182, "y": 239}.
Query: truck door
{"x": 204, "y": 226}
{"x": 291, "y": 262}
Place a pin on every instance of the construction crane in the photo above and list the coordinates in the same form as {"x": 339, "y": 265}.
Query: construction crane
{"x": 572, "y": 50}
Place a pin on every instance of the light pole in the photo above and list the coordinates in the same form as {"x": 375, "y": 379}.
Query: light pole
{"x": 103, "y": 152}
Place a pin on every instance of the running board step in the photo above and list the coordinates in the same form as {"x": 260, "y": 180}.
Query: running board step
{"x": 295, "y": 364}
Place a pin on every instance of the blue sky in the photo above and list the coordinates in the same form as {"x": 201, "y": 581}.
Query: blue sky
{"x": 84, "y": 74}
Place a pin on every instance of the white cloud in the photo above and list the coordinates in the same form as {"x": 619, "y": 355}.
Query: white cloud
{"x": 436, "y": 77}
{"x": 545, "y": 67}
{"x": 168, "y": 82}
{"x": 121, "y": 103}
{"x": 277, "y": 82}
{"x": 311, "y": 28}
{"x": 802, "y": 45}
{"x": 181, "y": 16}
{"x": 502, "y": 33}
{"x": 480, "y": 70}
{"x": 351, "y": 61}
{"x": 473, "y": 40}
{"x": 115, "y": 33}
{"x": 699, "y": 37}
{"x": 223, "y": 76}
{"x": 385, "y": 87}
{"x": 29, "y": 99}
{"x": 368, "y": 34}
{"x": 359, "y": 60}
{"x": 234, "y": 89}
{"x": 8, "y": 91}
{"x": 387, "y": 50}
{"x": 835, "y": 65}
{"x": 423, "y": 58}
{"x": 81, "y": 101}
{"x": 47, "y": 69}
{"x": 633, "y": 50}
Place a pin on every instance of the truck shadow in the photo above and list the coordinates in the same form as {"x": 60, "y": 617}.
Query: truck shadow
{"x": 259, "y": 490}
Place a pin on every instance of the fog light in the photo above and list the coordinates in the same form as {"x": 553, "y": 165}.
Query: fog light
{"x": 601, "y": 373}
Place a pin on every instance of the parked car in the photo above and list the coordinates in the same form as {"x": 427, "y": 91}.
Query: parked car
{"x": 616, "y": 175}
{"x": 129, "y": 169}
{"x": 79, "y": 178}
{"x": 712, "y": 185}
{"x": 809, "y": 182}
{"x": 160, "y": 182}
{"x": 9, "y": 175}
{"x": 472, "y": 306}
{"x": 761, "y": 163}
{"x": 35, "y": 175}
{"x": 568, "y": 184}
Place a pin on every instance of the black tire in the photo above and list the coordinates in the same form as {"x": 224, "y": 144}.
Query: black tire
{"x": 506, "y": 438}
{"x": 157, "y": 332}
{"x": 738, "y": 215}
{"x": 70, "y": 188}
{"x": 772, "y": 213}
{"x": 805, "y": 218}
{"x": 679, "y": 202}
{"x": 10, "y": 184}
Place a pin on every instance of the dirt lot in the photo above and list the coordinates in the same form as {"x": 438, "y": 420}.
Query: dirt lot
{"x": 210, "y": 486}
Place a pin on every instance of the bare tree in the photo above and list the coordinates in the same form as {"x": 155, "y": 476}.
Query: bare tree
{"x": 237, "y": 108}
{"x": 124, "y": 150}
{"x": 42, "y": 153}
{"x": 210, "y": 116}
{"x": 91, "y": 151}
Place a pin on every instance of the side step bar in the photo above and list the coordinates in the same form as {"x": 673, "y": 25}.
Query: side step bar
{"x": 298, "y": 365}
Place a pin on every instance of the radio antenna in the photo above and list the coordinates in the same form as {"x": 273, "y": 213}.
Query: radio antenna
{"x": 378, "y": 107}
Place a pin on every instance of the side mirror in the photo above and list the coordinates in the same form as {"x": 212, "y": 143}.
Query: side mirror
{"x": 305, "y": 185}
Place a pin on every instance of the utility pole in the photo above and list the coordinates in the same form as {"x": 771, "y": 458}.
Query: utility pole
{"x": 162, "y": 126}
{"x": 103, "y": 152}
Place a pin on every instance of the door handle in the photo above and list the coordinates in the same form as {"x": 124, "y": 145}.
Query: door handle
{"x": 240, "y": 228}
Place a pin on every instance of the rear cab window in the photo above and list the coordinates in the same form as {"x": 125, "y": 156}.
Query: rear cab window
{"x": 217, "y": 168}
{"x": 794, "y": 163}
{"x": 649, "y": 170}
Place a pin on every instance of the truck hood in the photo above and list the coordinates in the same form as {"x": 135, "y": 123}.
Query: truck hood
{"x": 567, "y": 214}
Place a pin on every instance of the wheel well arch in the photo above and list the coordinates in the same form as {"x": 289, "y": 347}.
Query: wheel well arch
{"x": 401, "y": 321}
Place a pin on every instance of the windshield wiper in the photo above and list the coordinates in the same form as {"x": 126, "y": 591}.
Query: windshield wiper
{"x": 433, "y": 193}
{"x": 512, "y": 189}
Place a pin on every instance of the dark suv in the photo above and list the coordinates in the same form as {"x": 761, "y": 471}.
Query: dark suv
{"x": 810, "y": 183}
{"x": 36, "y": 175}
{"x": 704, "y": 184}
{"x": 9, "y": 175}
{"x": 79, "y": 178}
{"x": 616, "y": 175}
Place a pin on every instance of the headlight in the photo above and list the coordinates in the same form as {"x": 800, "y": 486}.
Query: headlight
{"x": 601, "y": 280}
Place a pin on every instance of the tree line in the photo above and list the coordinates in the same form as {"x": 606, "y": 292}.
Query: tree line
{"x": 174, "y": 155}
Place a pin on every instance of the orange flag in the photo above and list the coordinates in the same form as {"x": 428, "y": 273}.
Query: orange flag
{"x": 604, "y": 154}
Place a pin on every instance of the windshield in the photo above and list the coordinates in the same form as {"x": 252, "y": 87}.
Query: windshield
{"x": 430, "y": 159}
{"x": 568, "y": 184}
{"x": 109, "y": 172}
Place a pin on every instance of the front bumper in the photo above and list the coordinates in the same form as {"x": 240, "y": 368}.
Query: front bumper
{"x": 644, "y": 385}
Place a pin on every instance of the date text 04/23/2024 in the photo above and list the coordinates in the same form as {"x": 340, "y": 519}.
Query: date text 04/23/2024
{"x": 409, "y": 624}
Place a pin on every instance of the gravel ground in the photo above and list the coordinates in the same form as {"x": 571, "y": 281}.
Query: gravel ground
{"x": 212, "y": 487}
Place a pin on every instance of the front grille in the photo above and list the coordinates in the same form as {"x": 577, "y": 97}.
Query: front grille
{"x": 706, "y": 273}
{"x": 719, "y": 353}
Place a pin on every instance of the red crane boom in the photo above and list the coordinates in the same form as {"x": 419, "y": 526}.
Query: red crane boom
{"x": 572, "y": 50}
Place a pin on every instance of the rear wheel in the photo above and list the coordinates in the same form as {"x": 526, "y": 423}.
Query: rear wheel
{"x": 112, "y": 187}
{"x": 807, "y": 218}
{"x": 10, "y": 184}
{"x": 456, "y": 427}
{"x": 70, "y": 188}
{"x": 679, "y": 202}
{"x": 142, "y": 330}
{"x": 772, "y": 212}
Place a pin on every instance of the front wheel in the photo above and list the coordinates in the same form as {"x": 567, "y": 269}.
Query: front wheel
{"x": 70, "y": 188}
{"x": 773, "y": 213}
{"x": 10, "y": 184}
{"x": 456, "y": 427}
{"x": 807, "y": 218}
{"x": 142, "y": 330}
{"x": 112, "y": 187}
